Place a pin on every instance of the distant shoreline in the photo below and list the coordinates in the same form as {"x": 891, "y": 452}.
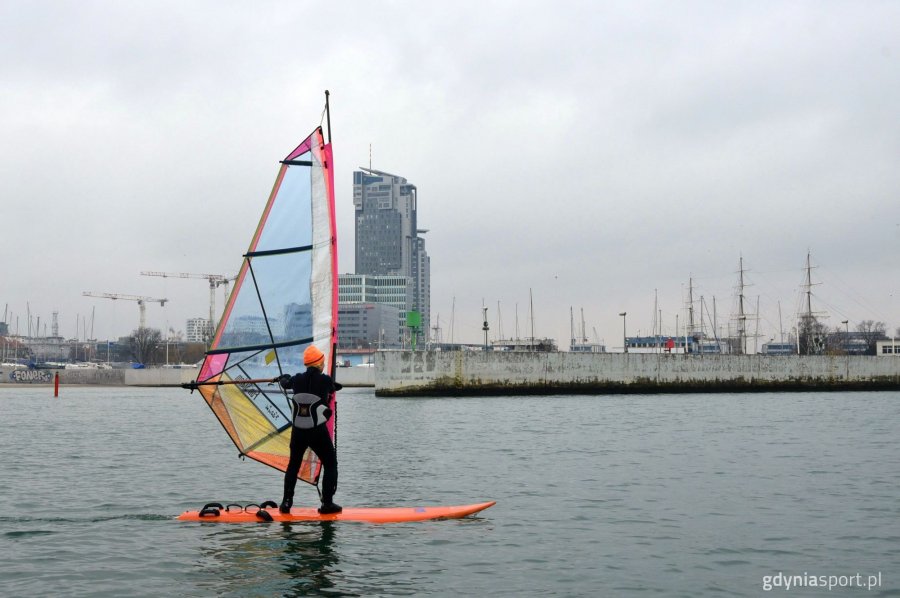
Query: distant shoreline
{"x": 153, "y": 377}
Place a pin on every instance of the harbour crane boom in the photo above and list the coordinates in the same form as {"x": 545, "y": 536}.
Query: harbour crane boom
{"x": 141, "y": 301}
{"x": 215, "y": 280}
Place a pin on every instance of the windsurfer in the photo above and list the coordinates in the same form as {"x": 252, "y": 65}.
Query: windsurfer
{"x": 312, "y": 391}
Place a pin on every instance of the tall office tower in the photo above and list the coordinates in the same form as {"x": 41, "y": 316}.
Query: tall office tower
{"x": 387, "y": 235}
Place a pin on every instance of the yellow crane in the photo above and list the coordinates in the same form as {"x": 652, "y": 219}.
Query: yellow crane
{"x": 141, "y": 301}
{"x": 215, "y": 281}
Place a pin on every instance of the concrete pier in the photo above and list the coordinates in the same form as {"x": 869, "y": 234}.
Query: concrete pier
{"x": 408, "y": 373}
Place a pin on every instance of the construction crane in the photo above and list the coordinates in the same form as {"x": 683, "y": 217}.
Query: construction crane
{"x": 215, "y": 280}
{"x": 141, "y": 301}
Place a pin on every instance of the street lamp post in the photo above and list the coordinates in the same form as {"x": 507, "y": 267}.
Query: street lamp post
{"x": 624, "y": 337}
{"x": 846, "y": 324}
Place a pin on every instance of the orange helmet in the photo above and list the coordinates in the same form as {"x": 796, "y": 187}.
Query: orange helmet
{"x": 313, "y": 356}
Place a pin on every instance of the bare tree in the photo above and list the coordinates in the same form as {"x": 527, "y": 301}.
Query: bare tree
{"x": 812, "y": 335}
{"x": 836, "y": 343}
{"x": 144, "y": 344}
{"x": 193, "y": 352}
{"x": 871, "y": 332}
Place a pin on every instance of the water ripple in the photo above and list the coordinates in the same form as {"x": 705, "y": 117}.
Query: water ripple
{"x": 689, "y": 495}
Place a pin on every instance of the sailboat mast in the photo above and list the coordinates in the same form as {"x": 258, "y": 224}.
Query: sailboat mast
{"x": 517, "y": 323}
{"x": 808, "y": 287}
{"x": 571, "y": 329}
{"x": 780, "y": 325}
{"x": 756, "y": 332}
{"x": 742, "y": 320}
{"x": 452, "y": 318}
{"x": 531, "y": 303}
{"x": 715, "y": 320}
{"x": 690, "y": 306}
{"x": 485, "y": 326}
{"x": 702, "y": 329}
{"x": 656, "y": 325}
{"x": 808, "y": 327}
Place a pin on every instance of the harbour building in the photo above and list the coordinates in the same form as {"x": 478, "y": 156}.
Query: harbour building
{"x": 369, "y": 326}
{"x": 388, "y": 241}
{"x": 356, "y": 319}
{"x": 197, "y": 330}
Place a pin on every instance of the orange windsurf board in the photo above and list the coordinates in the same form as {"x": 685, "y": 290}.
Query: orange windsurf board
{"x": 366, "y": 514}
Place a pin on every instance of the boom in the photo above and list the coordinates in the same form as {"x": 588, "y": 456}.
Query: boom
{"x": 141, "y": 301}
{"x": 215, "y": 280}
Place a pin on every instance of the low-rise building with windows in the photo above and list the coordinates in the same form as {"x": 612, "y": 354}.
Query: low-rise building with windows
{"x": 888, "y": 347}
{"x": 369, "y": 325}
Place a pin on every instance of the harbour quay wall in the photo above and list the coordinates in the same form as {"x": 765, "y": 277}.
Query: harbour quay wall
{"x": 414, "y": 373}
{"x": 355, "y": 376}
{"x": 352, "y": 376}
{"x": 102, "y": 377}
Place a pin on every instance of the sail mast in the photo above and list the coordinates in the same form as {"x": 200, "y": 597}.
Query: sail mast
{"x": 328, "y": 115}
{"x": 333, "y": 368}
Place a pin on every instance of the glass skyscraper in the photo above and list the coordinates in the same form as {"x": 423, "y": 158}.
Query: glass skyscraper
{"x": 387, "y": 235}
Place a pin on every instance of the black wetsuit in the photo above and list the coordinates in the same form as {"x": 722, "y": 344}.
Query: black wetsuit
{"x": 314, "y": 382}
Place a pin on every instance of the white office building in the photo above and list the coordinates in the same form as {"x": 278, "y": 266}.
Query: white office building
{"x": 197, "y": 330}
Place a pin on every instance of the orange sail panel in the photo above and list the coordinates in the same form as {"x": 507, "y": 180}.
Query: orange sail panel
{"x": 284, "y": 299}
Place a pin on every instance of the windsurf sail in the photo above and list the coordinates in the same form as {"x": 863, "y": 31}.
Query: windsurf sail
{"x": 283, "y": 300}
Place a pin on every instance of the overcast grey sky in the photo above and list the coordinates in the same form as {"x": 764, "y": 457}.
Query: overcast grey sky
{"x": 597, "y": 153}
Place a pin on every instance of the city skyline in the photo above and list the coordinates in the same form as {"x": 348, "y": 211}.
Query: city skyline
{"x": 580, "y": 156}
{"x": 514, "y": 321}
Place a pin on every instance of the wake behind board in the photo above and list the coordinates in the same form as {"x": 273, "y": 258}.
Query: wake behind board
{"x": 364, "y": 514}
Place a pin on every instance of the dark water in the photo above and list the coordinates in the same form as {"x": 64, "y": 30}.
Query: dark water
{"x": 689, "y": 495}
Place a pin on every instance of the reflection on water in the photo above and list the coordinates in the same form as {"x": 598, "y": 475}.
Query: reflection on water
{"x": 290, "y": 559}
{"x": 309, "y": 560}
